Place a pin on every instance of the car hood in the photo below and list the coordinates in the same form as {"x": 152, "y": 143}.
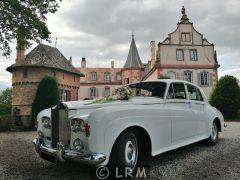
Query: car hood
{"x": 90, "y": 104}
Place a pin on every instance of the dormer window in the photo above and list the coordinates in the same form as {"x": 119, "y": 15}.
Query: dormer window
{"x": 185, "y": 36}
{"x": 118, "y": 76}
{"x": 106, "y": 76}
{"x": 93, "y": 76}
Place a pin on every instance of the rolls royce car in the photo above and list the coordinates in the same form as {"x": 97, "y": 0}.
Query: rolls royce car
{"x": 139, "y": 120}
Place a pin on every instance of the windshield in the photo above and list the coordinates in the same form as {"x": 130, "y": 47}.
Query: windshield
{"x": 152, "y": 89}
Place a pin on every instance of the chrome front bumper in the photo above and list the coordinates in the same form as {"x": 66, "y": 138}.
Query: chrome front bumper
{"x": 60, "y": 154}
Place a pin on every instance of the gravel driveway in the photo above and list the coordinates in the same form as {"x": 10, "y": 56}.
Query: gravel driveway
{"x": 18, "y": 160}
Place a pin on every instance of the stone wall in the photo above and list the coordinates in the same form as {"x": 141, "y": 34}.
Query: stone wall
{"x": 25, "y": 86}
{"x": 134, "y": 75}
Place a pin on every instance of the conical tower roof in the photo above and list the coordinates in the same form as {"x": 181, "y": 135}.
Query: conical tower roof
{"x": 133, "y": 59}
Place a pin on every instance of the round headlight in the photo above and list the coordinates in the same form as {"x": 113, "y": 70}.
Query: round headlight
{"x": 46, "y": 122}
{"x": 40, "y": 134}
{"x": 78, "y": 145}
{"x": 78, "y": 125}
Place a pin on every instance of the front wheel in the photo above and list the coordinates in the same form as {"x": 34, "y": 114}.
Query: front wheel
{"x": 125, "y": 153}
{"x": 213, "y": 139}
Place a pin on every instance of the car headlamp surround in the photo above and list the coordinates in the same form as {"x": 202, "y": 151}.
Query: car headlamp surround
{"x": 78, "y": 125}
{"x": 46, "y": 122}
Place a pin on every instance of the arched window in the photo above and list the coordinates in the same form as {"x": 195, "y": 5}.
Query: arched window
{"x": 93, "y": 76}
{"x": 107, "y": 76}
{"x": 93, "y": 92}
{"x": 106, "y": 92}
{"x": 171, "y": 75}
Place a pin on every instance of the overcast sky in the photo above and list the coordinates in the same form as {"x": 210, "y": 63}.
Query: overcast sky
{"x": 100, "y": 30}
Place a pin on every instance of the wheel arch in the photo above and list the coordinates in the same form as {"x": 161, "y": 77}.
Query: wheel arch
{"x": 217, "y": 120}
{"x": 140, "y": 132}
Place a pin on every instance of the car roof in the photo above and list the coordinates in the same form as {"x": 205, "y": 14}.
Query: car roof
{"x": 168, "y": 81}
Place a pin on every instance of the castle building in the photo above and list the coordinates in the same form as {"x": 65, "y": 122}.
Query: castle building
{"x": 186, "y": 55}
{"x": 98, "y": 82}
{"x": 29, "y": 70}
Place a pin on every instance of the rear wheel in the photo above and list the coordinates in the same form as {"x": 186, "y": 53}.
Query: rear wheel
{"x": 213, "y": 139}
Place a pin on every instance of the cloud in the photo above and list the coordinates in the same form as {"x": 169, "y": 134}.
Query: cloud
{"x": 101, "y": 30}
{"x": 232, "y": 72}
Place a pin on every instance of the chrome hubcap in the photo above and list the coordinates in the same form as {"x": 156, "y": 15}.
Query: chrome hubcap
{"x": 214, "y": 131}
{"x": 131, "y": 152}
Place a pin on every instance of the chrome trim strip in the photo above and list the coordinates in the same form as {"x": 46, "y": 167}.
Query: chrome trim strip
{"x": 61, "y": 154}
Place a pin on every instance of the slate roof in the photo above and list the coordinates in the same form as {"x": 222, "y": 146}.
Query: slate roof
{"x": 46, "y": 56}
{"x": 133, "y": 59}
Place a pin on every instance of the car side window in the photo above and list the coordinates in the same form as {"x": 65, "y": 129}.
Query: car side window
{"x": 194, "y": 93}
{"x": 170, "y": 94}
{"x": 176, "y": 91}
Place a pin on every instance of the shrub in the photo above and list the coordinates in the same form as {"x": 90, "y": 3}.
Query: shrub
{"x": 6, "y": 96}
{"x": 47, "y": 95}
{"x": 226, "y": 96}
{"x": 5, "y": 109}
{"x": 5, "y": 122}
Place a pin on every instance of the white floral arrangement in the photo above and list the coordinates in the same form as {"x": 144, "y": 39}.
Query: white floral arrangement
{"x": 122, "y": 93}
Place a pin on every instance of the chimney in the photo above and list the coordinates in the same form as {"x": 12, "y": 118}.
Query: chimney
{"x": 112, "y": 64}
{"x": 153, "y": 53}
{"x": 83, "y": 63}
{"x": 20, "y": 55}
{"x": 70, "y": 59}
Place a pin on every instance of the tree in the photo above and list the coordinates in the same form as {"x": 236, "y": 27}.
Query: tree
{"x": 6, "y": 97}
{"x": 47, "y": 95}
{"x": 24, "y": 21}
{"x": 226, "y": 96}
{"x": 6, "y": 101}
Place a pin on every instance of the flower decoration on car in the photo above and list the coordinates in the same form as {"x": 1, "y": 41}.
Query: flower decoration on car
{"x": 122, "y": 93}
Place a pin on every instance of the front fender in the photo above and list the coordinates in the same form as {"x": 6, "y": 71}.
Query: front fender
{"x": 108, "y": 123}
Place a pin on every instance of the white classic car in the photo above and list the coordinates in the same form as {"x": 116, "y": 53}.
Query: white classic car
{"x": 150, "y": 118}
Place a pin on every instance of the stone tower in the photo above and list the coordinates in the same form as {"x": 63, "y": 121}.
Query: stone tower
{"x": 29, "y": 70}
{"x": 132, "y": 70}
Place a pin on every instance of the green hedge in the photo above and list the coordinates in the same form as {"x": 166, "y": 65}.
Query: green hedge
{"x": 47, "y": 95}
{"x": 5, "y": 109}
{"x": 226, "y": 96}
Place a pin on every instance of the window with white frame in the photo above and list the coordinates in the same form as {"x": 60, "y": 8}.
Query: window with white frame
{"x": 93, "y": 92}
{"x": 188, "y": 76}
{"x": 193, "y": 54}
{"x": 106, "y": 91}
{"x": 118, "y": 76}
{"x": 126, "y": 81}
{"x": 106, "y": 76}
{"x": 204, "y": 78}
{"x": 180, "y": 55}
{"x": 93, "y": 76}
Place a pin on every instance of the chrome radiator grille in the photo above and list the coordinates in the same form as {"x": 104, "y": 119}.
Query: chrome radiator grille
{"x": 64, "y": 127}
{"x": 60, "y": 127}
